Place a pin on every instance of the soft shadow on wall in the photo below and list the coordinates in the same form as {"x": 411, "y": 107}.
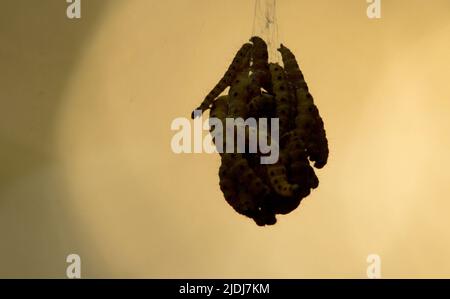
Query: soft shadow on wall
{"x": 39, "y": 48}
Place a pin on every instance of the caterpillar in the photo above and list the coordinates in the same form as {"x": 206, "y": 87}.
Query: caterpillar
{"x": 246, "y": 175}
{"x": 308, "y": 123}
{"x": 282, "y": 97}
{"x": 262, "y": 106}
{"x": 278, "y": 178}
{"x": 243, "y": 189}
{"x": 260, "y": 63}
{"x": 294, "y": 74}
{"x": 228, "y": 186}
{"x": 261, "y": 214}
{"x": 240, "y": 62}
{"x": 238, "y": 94}
{"x": 238, "y": 107}
{"x": 219, "y": 110}
{"x": 245, "y": 200}
{"x": 299, "y": 169}
{"x": 237, "y": 178}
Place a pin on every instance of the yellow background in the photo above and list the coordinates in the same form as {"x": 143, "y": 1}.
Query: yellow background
{"x": 86, "y": 165}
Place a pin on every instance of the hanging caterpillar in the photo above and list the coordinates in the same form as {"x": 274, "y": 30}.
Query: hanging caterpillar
{"x": 308, "y": 123}
{"x": 238, "y": 108}
{"x": 260, "y": 63}
{"x": 243, "y": 189}
{"x": 300, "y": 171}
{"x": 219, "y": 110}
{"x": 262, "y": 106}
{"x": 236, "y": 194}
{"x": 238, "y": 94}
{"x": 246, "y": 175}
{"x": 240, "y": 61}
{"x": 294, "y": 74}
{"x": 278, "y": 178}
{"x": 283, "y": 98}
{"x": 243, "y": 198}
{"x": 228, "y": 186}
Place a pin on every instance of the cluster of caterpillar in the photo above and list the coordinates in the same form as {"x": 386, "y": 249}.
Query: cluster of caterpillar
{"x": 260, "y": 89}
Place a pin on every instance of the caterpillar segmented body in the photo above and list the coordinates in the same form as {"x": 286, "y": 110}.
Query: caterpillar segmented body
{"x": 283, "y": 98}
{"x": 228, "y": 185}
{"x": 309, "y": 125}
{"x": 278, "y": 179}
{"x": 262, "y": 106}
{"x": 300, "y": 171}
{"x": 240, "y": 62}
{"x": 238, "y": 95}
{"x": 237, "y": 178}
{"x": 219, "y": 110}
{"x": 294, "y": 74}
{"x": 260, "y": 63}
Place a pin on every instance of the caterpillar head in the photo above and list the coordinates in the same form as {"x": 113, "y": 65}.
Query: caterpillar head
{"x": 256, "y": 39}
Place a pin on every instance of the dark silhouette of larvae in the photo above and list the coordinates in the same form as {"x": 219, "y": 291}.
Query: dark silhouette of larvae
{"x": 299, "y": 169}
{"x": 278, "y": 178}
{"x": 262, "y": 106}
{"x": 294, "y": 74}
{"x": 240, "y": 62}
{"x": 219, "y": 110}
{"x": 246, "y": 176}
{"x": 238, "y": 95}
{"x": 259, "y": 89}
{"x": 308, "y": 123}
{"x": 283, "y": 97}
{"x": 242, "y": 188}
{"x": 260, "y": 63}
{"x": 310, "y": 127}
{"x": 228, "y": 186}
{"x": 239, "y": 197}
